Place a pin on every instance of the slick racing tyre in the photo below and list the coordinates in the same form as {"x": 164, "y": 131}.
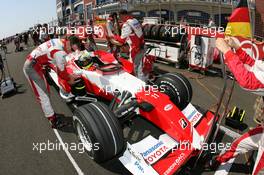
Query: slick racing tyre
{"x": 165, "y": 33}
{"x": 147, "y": 30}
{"x": 99, "y": 131}
{"x": 155, "y": 32}
{"x": 177, "y": 87}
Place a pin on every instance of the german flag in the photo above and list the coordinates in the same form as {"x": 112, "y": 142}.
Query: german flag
{"x": 239, "y": 21}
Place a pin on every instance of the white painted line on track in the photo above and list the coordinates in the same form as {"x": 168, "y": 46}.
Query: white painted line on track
{"x": 75, "y": 165}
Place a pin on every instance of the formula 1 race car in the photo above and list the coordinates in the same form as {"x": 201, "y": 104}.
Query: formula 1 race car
{"x": 165, "y": 104}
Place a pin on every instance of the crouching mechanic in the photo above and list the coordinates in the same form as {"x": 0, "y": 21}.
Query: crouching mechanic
{"x": 132, "y": 34}
{"x": 249, "y": 74}
{"x": 52, "y": 51}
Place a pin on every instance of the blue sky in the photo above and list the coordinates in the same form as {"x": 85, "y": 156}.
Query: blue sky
{"x": 18, "y": 15}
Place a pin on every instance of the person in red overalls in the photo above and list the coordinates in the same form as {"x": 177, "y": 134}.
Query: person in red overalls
{"x": 249, "y": 74}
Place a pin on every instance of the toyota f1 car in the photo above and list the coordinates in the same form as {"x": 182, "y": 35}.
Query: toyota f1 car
{"x": 165, "y": 104}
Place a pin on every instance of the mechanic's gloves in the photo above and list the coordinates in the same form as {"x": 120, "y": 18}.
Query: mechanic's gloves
{"x": 212, "y": 164}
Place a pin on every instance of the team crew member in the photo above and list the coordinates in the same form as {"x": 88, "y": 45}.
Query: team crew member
{"x": 52, "y": 51}
{"x": 251, "y": 140}
{"x": 250, "y": 75}
{"x": 110, "y": 26}
{"x": 132, "y": 34}
{"x": 90, "y": 44}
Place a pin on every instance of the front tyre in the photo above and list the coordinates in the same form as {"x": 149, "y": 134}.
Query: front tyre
{"x": 177, "y": 87}
{"x": 99, "y": 131}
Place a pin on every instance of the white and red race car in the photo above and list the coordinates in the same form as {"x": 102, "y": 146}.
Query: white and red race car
{"x": 165, "y": 104}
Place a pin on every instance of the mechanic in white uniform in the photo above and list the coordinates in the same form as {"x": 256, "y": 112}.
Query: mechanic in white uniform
{"x": 132, "y": 34}
{"x": 53, "y": 51}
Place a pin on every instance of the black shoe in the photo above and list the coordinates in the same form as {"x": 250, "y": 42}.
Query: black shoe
{"x": 57, "y": 123}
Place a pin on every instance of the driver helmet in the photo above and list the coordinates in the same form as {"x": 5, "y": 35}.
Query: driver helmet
{"x": 85, "y": 60}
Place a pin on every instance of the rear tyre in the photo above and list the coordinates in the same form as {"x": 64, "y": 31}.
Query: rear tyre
{"x": 99, "y": 131}
{"x": 177, "y": 87}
